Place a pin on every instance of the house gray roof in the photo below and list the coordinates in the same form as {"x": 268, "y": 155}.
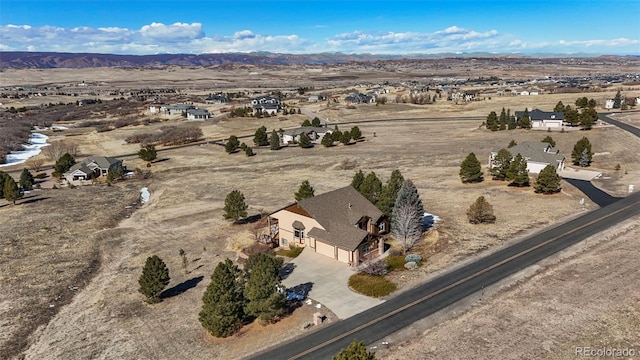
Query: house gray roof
{"x": 181, "y": 106}
{"x": 540, "y": 152}
{"x": 196, "y": 112}
{"x": 339, "y": 211}
{"x": 103, "y": 162}
{"x": 306, "y": 130}
{"x": 537, "y": 114}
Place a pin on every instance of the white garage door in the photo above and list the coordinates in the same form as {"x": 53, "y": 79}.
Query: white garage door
{"x": 325, "y": 249}
{"x": 343, "y": 256}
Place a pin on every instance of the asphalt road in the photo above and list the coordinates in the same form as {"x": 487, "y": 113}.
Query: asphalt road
{"x": 632, "y": 129}
{"x": 596, "y": 195}
{"x": 399, "y": 312}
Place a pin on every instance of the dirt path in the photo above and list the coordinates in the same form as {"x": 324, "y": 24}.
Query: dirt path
{"x": 591, "y": 299}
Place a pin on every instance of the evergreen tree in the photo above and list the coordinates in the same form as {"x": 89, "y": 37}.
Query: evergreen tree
{"x": 591, "y": 104}
{"x": 26, "y": 180}
{"x": 584, "y": 159}
{"x": 512, "y": 143}
{"x": 409, "y": 201}
{"x": 503, "y": 119}
{"x": 115, "y": 174}
{"x": 234, "y": 206}
{"x": 154, "y": 278}
{"x": 315, "y": 122}
{"x": 306, "y": 122}
{"x": 336, "y": 135}
{"x": 525, "y": 120}
{"x": 232, "y": 144}
{"x": 223, "y": 302}
{"x": 588, "y": 118}
{"x": 357, "y": 181}
{"x": 470, "y": 169}
{"x": 517, "y": 172}
{"x": 274, "y": 141}
{"x": 10, "y": 190}
{"x": 260, "y": 137}
{"x": 148, "y": 153}
{"x": 356, "y": 134}
{"x": 617, "y": 100}
{"x": 356, "y": 351}
{"x": 248, "y": 150}
{"x": 548, "y": 181}
{"x": 481, "y": 212}
{"x": 264, "y": 301}
{"x": 559, "y": 107}
{"x": 500, "y": 164}
{"x": 578, "y": 153}
{"x": 571, "y": 116}
{"x": 345, "y": 137}
{"x": 63, "y": 164}
{"x": 304, "y": 141}
{"x": 390, "y": 192}
{"x": 304, "y": 191}
{"x": 3, "y": 178}
{"x": 327, "y": 140}
{"x": 492, "y": 121}
{"x": 371, "y": 187}
{"x": 511, "y": 121}
{"x": 582, "y": 102}
{"x": 549, "y": 140}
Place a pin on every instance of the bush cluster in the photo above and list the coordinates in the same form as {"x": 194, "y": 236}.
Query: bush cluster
{"x": 375, "y": 286}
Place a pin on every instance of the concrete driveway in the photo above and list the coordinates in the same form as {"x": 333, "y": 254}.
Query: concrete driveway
{"x": 328, "y": 280}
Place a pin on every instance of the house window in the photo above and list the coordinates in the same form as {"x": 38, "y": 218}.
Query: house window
{"x": 381, "y": 226}
{"x": 366, "y": 249}
{"x": 283, "y": 241}
{"x": 299, "y": 234}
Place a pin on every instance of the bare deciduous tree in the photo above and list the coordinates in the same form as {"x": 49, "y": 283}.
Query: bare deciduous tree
{"x": 405, "y": 225}
{"x": 35, "y": 164}
{"x": 58, "y": 148}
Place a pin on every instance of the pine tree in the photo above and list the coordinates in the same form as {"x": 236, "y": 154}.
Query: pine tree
{"x": 10, "y": 190}
{"x": 304, "y": 141}
{"x": 517, "y": 172}
{"x": 525, "y": 120}
{"x": 512, "y": 143}
{"x": 511, "y": 120}
{"x": 408, "y": 194}
{"x": 500, "y": 164}
{"x": 315, "y": 122}
{"x": 154, "y": 278}
{"x": 571, "y": 116}
{"x": 548, "y": 181}
{"x": 234, "y": 206}
{"x": 260, "y": 137}
{"x": 470, "y": 169}
{"x": 584, "y": 159}
{"x": 406, "y": 224}
{"x": 559, "y": 107}
{"x": 223, "y": 302}
{"x": 345, "y": 137}
{"x": 503, "y": 119}
{"x": 578, "y": 153}
{"x": 617, "y": 100}
{"x": 582, "y": 102}
{"x": 26, "y": 180}
{"x": 232, "y": 144}
{"x": 591, "y": 104}
{"x": 549, "y": 140}
{"x": 356, "y": 351}
{"x": 274, "y": 141}
{"x": 371, "y": 187}
{"x": 304, "y": 191}
{"x": 588, "y": 117}
{"x": 390, "y": 192}
{"x": 358, "y": 179}
{"x": 248, "y": 150}
{"x": 148, "y": 153}
{"x": 306, "y": 123}
{"x": 63, "y": 164}
{"x": 356, "y": 134}
{"x": 492, "y": 121}
{"x": 327, "y": 140}
{"x": 264, "y": 301}
{"x": 3, "y": 178}
{"x": 481, "y": 212}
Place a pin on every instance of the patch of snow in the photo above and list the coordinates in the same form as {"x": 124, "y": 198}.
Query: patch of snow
{"x": 36, "y": 143}
{"x": 144, "y": 195}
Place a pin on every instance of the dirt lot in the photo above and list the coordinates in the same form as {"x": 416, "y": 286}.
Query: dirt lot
{"x": 107, "y": 318}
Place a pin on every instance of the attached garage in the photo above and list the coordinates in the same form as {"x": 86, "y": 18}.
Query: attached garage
{"x": 325, "y": 249}
{"x": 343, "y": 256}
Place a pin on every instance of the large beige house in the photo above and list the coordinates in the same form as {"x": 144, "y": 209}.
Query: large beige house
{"x": 341, "y": 224}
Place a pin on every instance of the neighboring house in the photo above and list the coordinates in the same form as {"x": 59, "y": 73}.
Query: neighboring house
{"x": 271, "y": 109}
{"x": 316, "y": 98}
{"x": 537, "y": 154}
{"x": 265, "y": 100}
{"x": 155, "y": 108}
{"x": 198, "y": 114}
{"x": 176, "y": 109}
{"x": 380, "y": 91}
{"x": 314, "y": 134}
{"x": 216, "y": 99}
{"x": 91, "y": 168}
{"x": 608, "y": 104}
{"x": 87, "y": 102}
{"x": 341, "y": 224}
{"x": 465, "y": 96}
{"x": 543, "y": 119}
{"x": 359, "y": 98}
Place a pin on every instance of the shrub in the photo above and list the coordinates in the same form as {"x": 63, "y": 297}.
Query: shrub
{"x": 411, "y": 265}
{"x": 413, "y": 258}
{"x": 395, "y": 262}
{"x": 40, "y": 175}
{"x": 375, "y": 286}
{"x": 293, "y": 252}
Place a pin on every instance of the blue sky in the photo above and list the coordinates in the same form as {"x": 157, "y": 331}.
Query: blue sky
{"x": 296, "y": 26}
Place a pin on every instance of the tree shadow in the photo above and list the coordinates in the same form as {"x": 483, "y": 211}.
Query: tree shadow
{"x": 249, "y": 219}
{"x": 31, "y": 199}
{"x": 286, "y": 270}
{"x": 181, "y": 288}
{"x": 160, "y": 160}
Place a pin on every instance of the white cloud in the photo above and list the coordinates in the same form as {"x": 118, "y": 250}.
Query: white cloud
{"x": 190, "y": 38}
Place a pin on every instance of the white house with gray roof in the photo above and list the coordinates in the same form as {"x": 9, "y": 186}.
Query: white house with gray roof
{"x": 91, "y": 168}
{"x": 198, "y": 114}
{"x": 543, "y": 119}
{"x": 537, "y": 155}
{"x": 314, "y": 133}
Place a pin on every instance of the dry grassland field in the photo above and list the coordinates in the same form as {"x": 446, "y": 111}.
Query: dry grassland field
{"x": 71, "y": 258}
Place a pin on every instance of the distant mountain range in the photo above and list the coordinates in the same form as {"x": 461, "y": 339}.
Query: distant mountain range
{"x": 52, "y": 60}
